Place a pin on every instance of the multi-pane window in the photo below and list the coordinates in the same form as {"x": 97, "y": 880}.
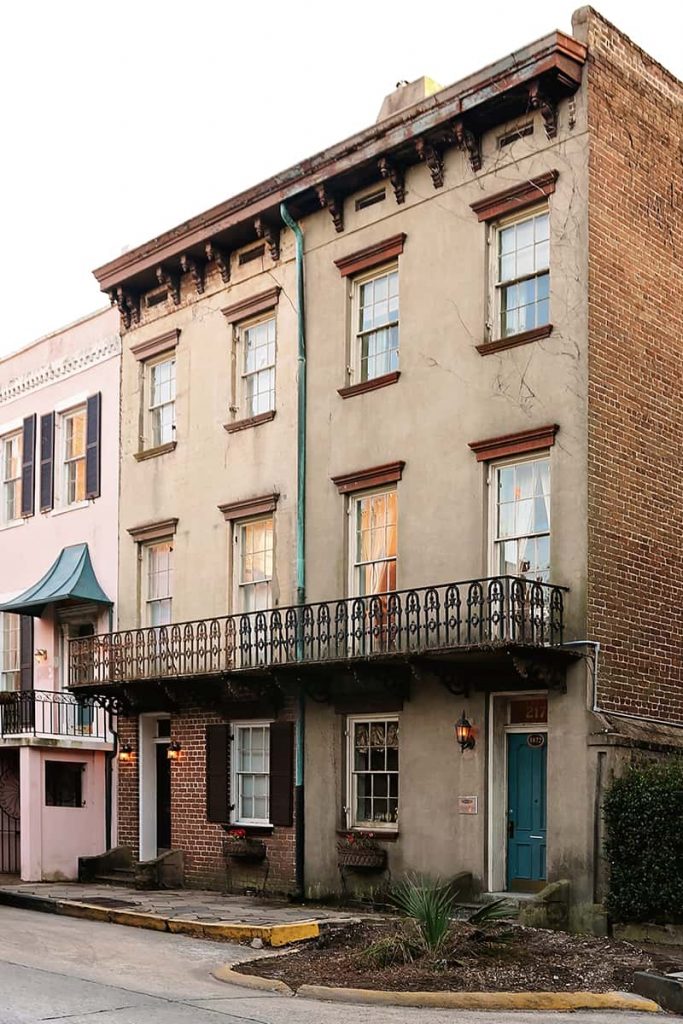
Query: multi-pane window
{"x": 373, "y": 772}
{"x": 10, "y": 640}
{"x": 255, "y": 565}
{"x": 258, "y": 367}
{"x": 10, "y": 455}
{"x": 523, "y": 278}
{"x": 162, "y": 401}
{"x": 159, "y": 582}
{"x": 376, "y": 327}
{"x": 251, "y": 773}
{"x": 374, "y": 543}
{"x": 522, "y": 519}
{"x": 74, "y": 436}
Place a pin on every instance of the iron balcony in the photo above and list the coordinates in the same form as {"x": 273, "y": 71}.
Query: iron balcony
{"x": 51, "y": 714}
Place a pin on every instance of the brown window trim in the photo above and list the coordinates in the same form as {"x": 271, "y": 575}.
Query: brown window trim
{"x": 364, "y": 479}
{"x": 255, "y": 304}
{"x": 515, "y": 444}
{"x": 153, "y": 453}
{"x": 515, "y": 198}
{"x": 249, "y": 507}
{"x": 252, "y": 421}
{"x": 158, "y": 530}
{"x": 513, "y": 340}
{"x": 156, "y": 346}
{"x": 371, "y": 255}
{"x": 370, "y": 385}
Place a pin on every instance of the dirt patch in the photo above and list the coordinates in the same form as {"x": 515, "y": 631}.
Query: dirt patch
{"x": 499, "y": 958}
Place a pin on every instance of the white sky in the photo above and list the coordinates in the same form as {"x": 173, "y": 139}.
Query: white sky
{"x": 120, "y": 120}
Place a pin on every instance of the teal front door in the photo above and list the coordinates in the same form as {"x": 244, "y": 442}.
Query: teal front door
{"x": 526, "y": 816}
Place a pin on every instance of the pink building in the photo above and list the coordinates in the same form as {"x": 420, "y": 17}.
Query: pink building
{"x": 59, "y": 442}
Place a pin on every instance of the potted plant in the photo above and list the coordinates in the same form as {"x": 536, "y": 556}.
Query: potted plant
{"x": 239, "y": 846}
{"x": 361, "y": 852}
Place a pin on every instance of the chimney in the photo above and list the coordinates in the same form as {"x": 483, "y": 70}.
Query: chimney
{"x": 406, "y": 94}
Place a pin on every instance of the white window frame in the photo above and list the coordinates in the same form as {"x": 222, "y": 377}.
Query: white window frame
{"x": 15, "y": 481}
{"x": 5, "y": 672}
{"x": 495, "y": 305}
{"x": 354, "y": 501}
{"x": 147, "y": 549}
{"x": 350, "y": 802}
{"x": 494, "y": 543}
{"x": 240, "y": 588}
{"x": 241, "y": 331}
{"x": 63, "y": 476}
{"x": 150, "y": 409}
{"x": 356, "y": 362}
{"x": 235, "y": 773}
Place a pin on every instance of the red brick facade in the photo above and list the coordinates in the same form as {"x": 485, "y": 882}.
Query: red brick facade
{"x": 635, "y": 419}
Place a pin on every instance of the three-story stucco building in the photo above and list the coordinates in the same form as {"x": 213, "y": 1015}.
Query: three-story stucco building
{"x": 400, "y": 452}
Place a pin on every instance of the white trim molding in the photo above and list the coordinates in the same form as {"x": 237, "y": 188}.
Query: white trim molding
{"x": 60, "y": 369}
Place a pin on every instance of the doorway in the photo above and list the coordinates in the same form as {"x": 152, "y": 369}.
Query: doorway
{"x": 155, "y": 786}
{"x": 163, "y": 798}
{"x": 526, "y": 811}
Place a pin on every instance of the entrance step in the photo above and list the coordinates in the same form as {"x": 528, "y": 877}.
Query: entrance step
{"x": 117, "y": 876}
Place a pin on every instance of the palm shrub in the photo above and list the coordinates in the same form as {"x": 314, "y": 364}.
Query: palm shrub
{"x": 430, "y": 905}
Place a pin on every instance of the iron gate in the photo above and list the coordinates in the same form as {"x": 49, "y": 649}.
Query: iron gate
{"x": 10, "y": 862}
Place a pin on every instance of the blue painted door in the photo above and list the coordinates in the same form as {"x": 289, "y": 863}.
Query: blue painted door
{"x": 526, "y": 845}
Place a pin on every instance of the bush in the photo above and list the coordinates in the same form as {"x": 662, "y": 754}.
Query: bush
{"x": 643, "y": 813}
{"x": 430, "y": 904}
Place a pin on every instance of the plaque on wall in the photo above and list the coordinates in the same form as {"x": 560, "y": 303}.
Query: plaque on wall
{"x": 468, "y": 805}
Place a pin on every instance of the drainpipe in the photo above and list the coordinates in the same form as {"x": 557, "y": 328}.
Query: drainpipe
{"x": 110, "y": 757}
{"x": 300, "y": 534}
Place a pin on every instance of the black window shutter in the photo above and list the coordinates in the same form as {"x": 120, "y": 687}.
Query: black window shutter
{"x": 26, "y": 651}
{"x": 28, "y": 469}
{"x": 218, "y": 773}
{"x": 92, "y": 447}
{"x": 47, "y": 461}
{"x": 282, "y": 773}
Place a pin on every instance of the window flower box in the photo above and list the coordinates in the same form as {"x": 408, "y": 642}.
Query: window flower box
{"x": 238, "y": 846}
{"x": 360, "y": 852}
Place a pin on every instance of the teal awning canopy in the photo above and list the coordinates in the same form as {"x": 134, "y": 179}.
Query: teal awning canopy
{"x": 71, "y": 577}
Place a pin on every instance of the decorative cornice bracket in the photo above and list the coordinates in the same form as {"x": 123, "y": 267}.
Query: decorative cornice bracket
{"x": 470, "y": 143}
{"x": 215, "y": 254}
{"x": 395, "y": 175}
{"x": 270, "y": 235}
{"x": 195, "y": 268}
{"x": 171, "y": 279}
{"x": 127, "y": 304}
{"x": 433, "y": 158}
{"x": 539, "y": 100}
{"x": 333, "y": 203}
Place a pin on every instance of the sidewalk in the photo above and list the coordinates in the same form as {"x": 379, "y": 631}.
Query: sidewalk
{"x": 189, "y": 911}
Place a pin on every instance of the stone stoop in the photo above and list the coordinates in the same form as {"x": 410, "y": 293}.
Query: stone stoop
{"x": 117, "y": 867}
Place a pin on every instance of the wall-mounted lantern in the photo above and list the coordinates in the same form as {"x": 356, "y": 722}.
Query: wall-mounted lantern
{"x": 463, "y": 733}
{"x": 125, "y": 752}
{"x": 40, "y": 656}
{"x": 173, "y": 752}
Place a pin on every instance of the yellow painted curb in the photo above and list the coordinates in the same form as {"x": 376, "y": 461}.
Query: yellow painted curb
{"x": 281, "y": 934}
{"x": 181, "y": 926}
{"x": 252, "y": 981}
{"x": 85, "y": 911}
{"x": 136, "y": 919}
{"x": 272, "y": 935}
{"x": 560, "y": 1001}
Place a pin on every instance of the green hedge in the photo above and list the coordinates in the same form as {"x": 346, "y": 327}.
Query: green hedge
{"x": 643, "y": 813}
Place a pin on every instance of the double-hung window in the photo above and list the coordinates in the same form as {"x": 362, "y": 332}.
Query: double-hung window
{"x": 159, "y": 582}
{"x": 251, "y": 773}
{"x": 374, "y": 543}
{"x": 376, "y": 320}
{"x": 254, "y": 564}
{"x": 10, "y": 456}
{"x": 161, "y": 403}
{"x": 372, "y": 787}
{"x": 521, "y": 519}
{"x": 258, "y": 366}
{"x": 522, "y": 274}
{"x": 73, "y": 425}
{"x": 10, "y": 645}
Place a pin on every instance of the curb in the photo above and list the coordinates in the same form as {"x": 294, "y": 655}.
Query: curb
{"x": 271, "y": 935}
{"x": 550, "y": 1001}
{"x": 666, "y": 989}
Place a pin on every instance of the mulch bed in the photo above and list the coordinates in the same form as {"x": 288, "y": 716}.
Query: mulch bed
{"x": 501, "y": 957}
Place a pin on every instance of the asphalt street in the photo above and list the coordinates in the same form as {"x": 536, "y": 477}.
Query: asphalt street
{"x": 87, "y": 972}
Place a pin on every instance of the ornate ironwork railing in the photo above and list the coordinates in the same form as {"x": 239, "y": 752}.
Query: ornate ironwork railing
{"x": 50, "y": 713}
{"x": 475, "y": 613}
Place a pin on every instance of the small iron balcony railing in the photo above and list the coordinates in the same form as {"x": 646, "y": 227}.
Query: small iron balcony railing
{"x": 476, "y": 613}
{"x": 50, "y": 714}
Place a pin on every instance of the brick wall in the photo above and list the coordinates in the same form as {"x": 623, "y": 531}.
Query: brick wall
{"x": 635, "y": 491}
{"x": 202, "y": 841}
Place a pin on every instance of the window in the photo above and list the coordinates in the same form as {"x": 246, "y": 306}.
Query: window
{"x": 251, "y": 773}
{"x": 10, "y": 454}
{"x": 521, "y": 519}
{"x": 376, "y": 324}
{"x": 258, "y": 366}
{"x": 255, "y": 564}
{"x": 162, "y": 401}
{"x": 372, "y": 800}
{"x": 374, "y": 540}
{"x": 10, "y": 647}
{"x": 64, "y": 783}
{"x": 73, "y": 455}
{"x": 159, "y": 559}
{"x": 522, "y": 275}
